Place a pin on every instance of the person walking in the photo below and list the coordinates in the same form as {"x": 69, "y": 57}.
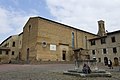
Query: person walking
{"x": 110, "y": 64}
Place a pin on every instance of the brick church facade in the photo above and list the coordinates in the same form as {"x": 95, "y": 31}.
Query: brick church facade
{"x": 47, "y": 40}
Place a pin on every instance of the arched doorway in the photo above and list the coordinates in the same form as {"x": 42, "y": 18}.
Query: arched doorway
{"x": 105, "y": 60}
{"x": 27, "y": 57}
{"x": 116, "y": 62}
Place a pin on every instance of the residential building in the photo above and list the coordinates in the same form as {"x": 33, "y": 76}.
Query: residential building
{"x": 106, "y": 46}
{"x": 14, "y": 43}
{"x": 4, "y": 55}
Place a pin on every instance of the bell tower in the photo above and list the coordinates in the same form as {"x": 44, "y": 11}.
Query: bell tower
{"x": 101, "y": 28}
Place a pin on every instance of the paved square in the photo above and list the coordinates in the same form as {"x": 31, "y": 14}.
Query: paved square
{"x": 45, "y": 72}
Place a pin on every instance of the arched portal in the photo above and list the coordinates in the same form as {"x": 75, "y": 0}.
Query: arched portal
{"x": 116, "y": 62}
{"x": 105, "y": 60}
{"x": 27, "y": 57}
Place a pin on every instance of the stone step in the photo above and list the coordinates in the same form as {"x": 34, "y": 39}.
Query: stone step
{"x": 107, "y": 74}
{"x": 93, "y": 71}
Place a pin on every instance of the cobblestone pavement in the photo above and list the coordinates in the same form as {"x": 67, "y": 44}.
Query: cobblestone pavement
{"x": 47, "y": 72}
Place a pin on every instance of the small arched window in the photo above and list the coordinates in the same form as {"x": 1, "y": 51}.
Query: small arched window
{"x": 73, "y": 45}
{"x": 29, "y": 28}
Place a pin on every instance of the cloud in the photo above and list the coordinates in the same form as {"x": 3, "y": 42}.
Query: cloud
{"x": 12, "y": 21}
{"x": 3, "y": 19}
{"x": 84, "y": 14}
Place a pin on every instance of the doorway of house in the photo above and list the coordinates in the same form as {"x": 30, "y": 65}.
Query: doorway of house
{"x": 116, "y": 62}
{"x": 64, "y": 55}
{"x": 105, "y": 60}
{"x": 99, "y": 59}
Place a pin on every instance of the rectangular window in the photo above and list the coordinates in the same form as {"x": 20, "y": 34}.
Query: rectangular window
{"x": 93, "y": 42}
{"x": 93, "y": 52}
{"x": 103, "y": 40}
{"x": 7, "y": 52}
{"x": 13, "y": 45}
{"x": 104, "y": 51}
{"x": 114, "y": 50}
{"x": 113, "y": 39}
{"x": 13, "y": 52}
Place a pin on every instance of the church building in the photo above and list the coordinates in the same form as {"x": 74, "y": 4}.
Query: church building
{"x": 47, "y": 40}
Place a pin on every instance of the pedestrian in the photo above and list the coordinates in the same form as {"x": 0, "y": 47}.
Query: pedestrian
{"x": 110, "y": 64}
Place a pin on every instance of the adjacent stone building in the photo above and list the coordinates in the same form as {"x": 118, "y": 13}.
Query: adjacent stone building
{"x": 4, "y": 55}
{"x": 106, "y": 46}
{"x": 47, "y": 40}
{"x": 14, "y": 45}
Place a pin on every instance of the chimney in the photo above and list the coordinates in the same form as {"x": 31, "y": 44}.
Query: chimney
{"x": 101, "y": 28}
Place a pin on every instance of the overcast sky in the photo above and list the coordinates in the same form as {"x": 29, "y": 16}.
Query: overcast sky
{"x": 82, "y": 14}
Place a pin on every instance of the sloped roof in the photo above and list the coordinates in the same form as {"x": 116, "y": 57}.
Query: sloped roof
{"x": 109, "y": 33}
{"x": 97, "y": 38}
{"x": 114, "y": 32}
{"x": 61, "y": 24}
{"x": 5, "y": 40}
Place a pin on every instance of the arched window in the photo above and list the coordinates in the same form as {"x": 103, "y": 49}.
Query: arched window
{"x": 29, "y": 28}
{"x": 73, "y": 45}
